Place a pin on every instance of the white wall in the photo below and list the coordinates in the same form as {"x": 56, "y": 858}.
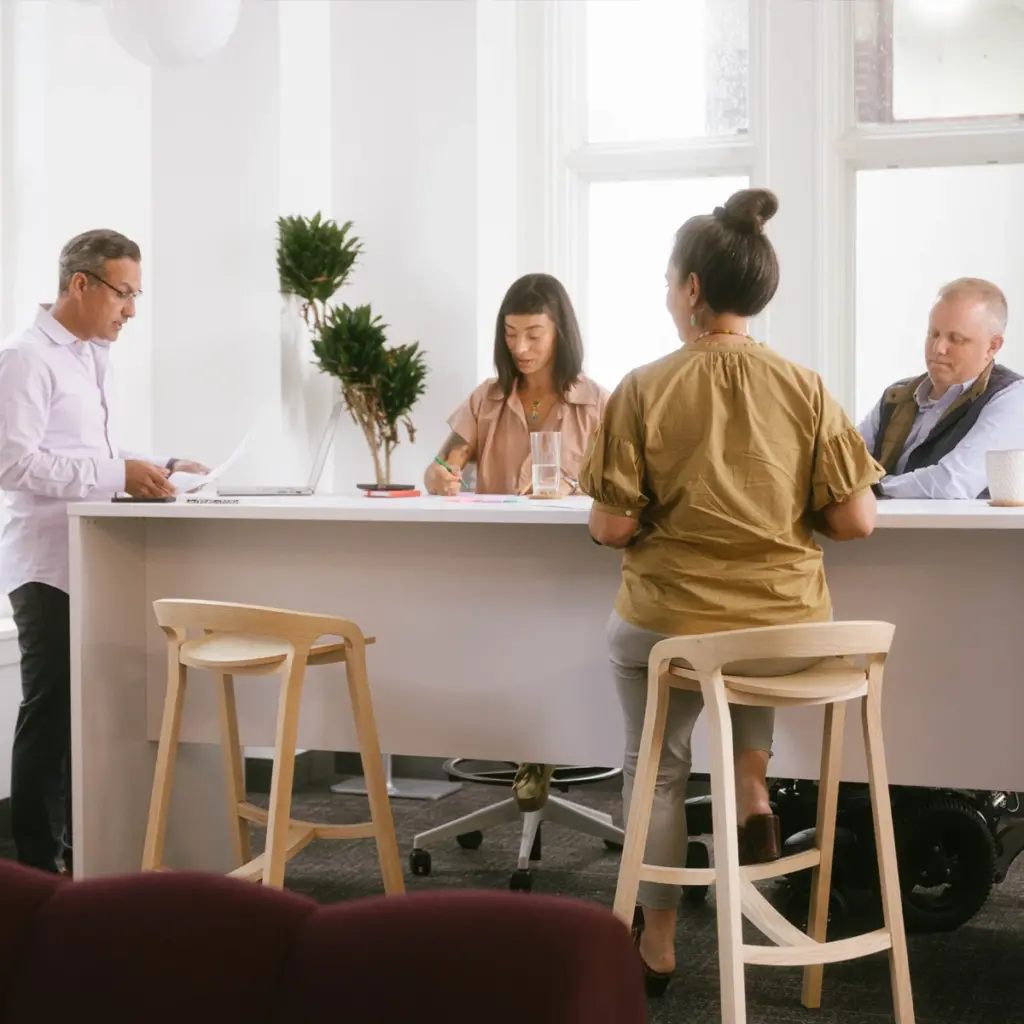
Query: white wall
{"x": 76, "y": 156}
{"x": 216, "y": 309}
{"x": 304, "y": 168}
{"x": 363, "y": 110}
{"x": 404, "y": 169}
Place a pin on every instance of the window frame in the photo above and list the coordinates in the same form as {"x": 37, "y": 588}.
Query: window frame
{"x": 949, "y": 142}
{"x": 557, "y": 231}
{"x": 803, "y": 139}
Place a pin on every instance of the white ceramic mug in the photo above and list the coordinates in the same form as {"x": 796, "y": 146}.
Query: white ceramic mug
{"x": 1005, "y": 472}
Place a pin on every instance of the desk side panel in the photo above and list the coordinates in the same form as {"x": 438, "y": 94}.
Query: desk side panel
{"x": 490, "y": 638}
{"x": 491, "y": 641}
{"x": 112, "y": 762}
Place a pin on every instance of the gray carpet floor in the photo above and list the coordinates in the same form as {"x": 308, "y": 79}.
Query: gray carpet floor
{"x": 974, "y": 975}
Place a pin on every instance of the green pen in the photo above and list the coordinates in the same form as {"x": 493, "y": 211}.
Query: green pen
{"x": 442, "y": 463}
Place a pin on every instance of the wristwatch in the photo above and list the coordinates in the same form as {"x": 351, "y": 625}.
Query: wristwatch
{"x": 574, "y": 483}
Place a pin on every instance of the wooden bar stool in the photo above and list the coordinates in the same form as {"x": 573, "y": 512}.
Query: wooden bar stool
{"x": 249, "y": 640}
{"x": 851, "y": 656}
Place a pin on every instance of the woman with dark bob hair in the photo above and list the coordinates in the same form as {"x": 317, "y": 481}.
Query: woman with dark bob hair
{"x": 538, "y": 354}
{"x": 711, "y": 469}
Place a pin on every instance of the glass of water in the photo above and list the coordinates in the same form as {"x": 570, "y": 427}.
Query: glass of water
{"x": 546, "y": 449}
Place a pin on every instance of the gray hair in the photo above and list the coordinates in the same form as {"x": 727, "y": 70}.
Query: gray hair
{"x": 89, "y": 251}
{"x": 982, "y": 291}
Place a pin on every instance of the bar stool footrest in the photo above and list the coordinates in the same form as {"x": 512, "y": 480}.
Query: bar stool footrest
{"x": 819, "y": 952}
{"x": 792, "y": 947}
{"x": 748, "y": 872}
{"x": 300, "y": 835}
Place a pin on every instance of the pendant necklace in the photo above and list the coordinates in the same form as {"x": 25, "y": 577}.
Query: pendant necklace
{"x": 708, "y": 334}
{"x": 535, "y": 412}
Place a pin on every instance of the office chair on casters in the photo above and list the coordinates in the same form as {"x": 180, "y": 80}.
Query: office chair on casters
{"x": 468, "y": 830}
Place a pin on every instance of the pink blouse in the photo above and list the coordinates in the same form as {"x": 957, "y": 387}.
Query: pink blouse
{"x": 496, "y": 430}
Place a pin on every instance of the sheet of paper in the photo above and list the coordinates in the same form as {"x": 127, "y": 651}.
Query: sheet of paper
{"x": 498, "y": 499}
{"x": 190, "y": 483}
{"x": 187, "y": 483}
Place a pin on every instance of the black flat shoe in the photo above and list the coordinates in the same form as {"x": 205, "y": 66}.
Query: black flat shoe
{"x": 655, "y": 982}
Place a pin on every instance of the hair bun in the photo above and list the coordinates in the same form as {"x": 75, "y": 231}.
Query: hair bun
{"x": 749, "y": 209}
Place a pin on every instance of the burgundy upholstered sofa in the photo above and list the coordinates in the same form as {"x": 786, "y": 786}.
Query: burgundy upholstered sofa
{"x": 191, "y": 948}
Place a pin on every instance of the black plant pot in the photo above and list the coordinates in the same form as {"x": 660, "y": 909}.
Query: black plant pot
{"x": 386, "y": 487}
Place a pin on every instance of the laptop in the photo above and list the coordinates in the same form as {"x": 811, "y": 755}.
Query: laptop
{"x": 295, "y": 491}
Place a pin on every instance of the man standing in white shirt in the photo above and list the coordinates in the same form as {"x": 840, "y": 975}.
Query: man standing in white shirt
{"x": 58, "y": 444}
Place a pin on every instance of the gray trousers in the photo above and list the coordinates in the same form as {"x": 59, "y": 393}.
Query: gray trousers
{"x": 629, "y": 649}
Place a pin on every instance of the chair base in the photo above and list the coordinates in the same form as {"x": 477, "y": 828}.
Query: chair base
{"x": 399, "y": 789}
{"x": 300, "y": 835}
{"x": 563, "y": 779}
{"x": 468, "y": 830}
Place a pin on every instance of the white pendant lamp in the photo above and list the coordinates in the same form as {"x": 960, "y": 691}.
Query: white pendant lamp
{"x": 171, "y": 33}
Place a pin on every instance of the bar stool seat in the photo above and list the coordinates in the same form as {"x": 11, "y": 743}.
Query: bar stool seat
{"x": 249, "y": 640}
{"x": 238, "y": 652}
{"x": 833, "y": 663}
{"x": 830, "y": 680}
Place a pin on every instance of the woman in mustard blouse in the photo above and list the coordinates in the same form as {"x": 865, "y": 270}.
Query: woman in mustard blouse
{"x": 712, "y": 468}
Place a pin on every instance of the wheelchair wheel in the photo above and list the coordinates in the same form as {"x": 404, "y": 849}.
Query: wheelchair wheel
{"x": 793, "y": 901}
{"x": 947, "y": 861}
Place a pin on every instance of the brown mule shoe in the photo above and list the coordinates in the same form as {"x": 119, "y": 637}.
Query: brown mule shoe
{"x": 760, "y": 839}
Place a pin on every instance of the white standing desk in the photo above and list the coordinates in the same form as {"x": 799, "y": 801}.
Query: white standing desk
{"x": 490, "y": 625}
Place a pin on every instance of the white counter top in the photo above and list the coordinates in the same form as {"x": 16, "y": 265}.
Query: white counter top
{"x": 492, "y": 509}
{"x": 916, "y": 515}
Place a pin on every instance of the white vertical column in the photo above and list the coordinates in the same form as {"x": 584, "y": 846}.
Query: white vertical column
{"x": 786, "y": 163}
{"x": 404, "y": 129}
{"x": 26, "y": 222}
{"x": 213, "y": 276}
{"x": 307, "y": 395}
{"x": 497, "y": 198}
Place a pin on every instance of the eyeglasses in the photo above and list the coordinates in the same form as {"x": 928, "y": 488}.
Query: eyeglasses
{"x": 117, "y": 291}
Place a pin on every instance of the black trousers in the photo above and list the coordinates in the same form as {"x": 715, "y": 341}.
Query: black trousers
{"x": 41, "y": 764}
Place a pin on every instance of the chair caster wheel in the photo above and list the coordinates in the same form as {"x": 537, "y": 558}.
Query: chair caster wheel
{"x": 521, "y": 880}
{"x": 696, "y": 857}
{"x": 610, "y": 845}
{"x": 419, "y": 862}
{"x": 470, "y": 840}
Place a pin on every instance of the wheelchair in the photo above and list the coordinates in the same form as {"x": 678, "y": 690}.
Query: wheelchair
{"x": 952, "y": 846}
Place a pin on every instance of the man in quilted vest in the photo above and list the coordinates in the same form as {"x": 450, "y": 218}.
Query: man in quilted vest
{"x": 931, "y": 432}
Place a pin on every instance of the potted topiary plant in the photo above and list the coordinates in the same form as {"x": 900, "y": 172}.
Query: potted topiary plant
{"x": 379, "y": 383}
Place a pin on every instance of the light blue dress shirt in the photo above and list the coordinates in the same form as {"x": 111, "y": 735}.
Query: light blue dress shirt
{"x": 961, "y": 473}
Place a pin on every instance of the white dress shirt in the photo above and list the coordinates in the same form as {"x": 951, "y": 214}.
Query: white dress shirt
{"x": 961, "y": 473}
{"x": 58, "y": 444}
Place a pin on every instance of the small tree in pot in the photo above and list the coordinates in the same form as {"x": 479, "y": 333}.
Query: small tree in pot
{"x": 379, "y": 384}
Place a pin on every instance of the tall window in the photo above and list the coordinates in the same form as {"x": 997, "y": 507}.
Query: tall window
{"x": 892, "y": 131}
{"x": 937, "y": 154}
{"x": 646, "y": 139}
